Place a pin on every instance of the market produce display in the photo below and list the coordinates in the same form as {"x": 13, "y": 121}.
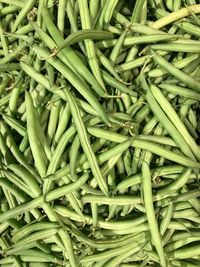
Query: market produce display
{"x": 99, "y": 133}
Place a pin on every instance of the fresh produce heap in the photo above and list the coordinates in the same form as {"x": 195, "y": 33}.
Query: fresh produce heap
{"x": 99, "y": 133}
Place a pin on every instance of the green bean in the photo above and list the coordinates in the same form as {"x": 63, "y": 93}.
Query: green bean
{"x": 17, "y": 194}
{"x": 132, "y": 64}
{"x": 89, "y": 44}
{"x": 116, "y": 137}
{"x": 41, "y": 79}
{"x": 76, "y": 82}
{"x": 16, "y": 261}
{"x": 191, "y": 213}
{"x": 125, "y": 224}
{"x": 109, "y": 9}
{"x": 4, "y": 100}
{"x": 143, "y": 29}
{"x": 136, "y": 178}
{"x": 13, "y": 36}
{"x": 53, "y": 165}
{"x": 86, "y": 107}
{"x": 148, "y": 202}
{"x": 184, "y": 253}
{"x": 73, "y": 156}
{"x": 66, "y": 239}
{"x": 180, "y": 64}
{"x": 184, "y": 235}
{"x": 182, "y": 263}
{"x": 180, "y": 243}
{"x": 70, "y": 55}
{"x": 166, "y": 219}
{"x": 14, "y": 124}
{"x": 106, "y": 244}
{"x": 177, "y": 47}
{"x": 71, "y": 13}
{"x": 14, "y": 98}
{"x": 62, "y": 123}
{"x": 107, "y": 64}
{"x": 17, "y": 3}
{"x": 94, "y": 210}
{"x": 137, "y": 11}
{"x": 141, "y": 114}
{"x": 154, "y": 148}
{"x": 14, "y": 53}
{"x": 115, "y": 251}
{"x": 121, "y": 200}
{"x": 16, "y": 181}
{"x": 175, "y": 72}
{"x": 28, "y": 229}
{"x": 8, "y": 10}
{"x": 61, "y": 191}
{"x": 28, "y": 241}
{"x": 93, "y": 6}
{"x": 37, "y": 256}
{"x": 23, "y": 12}
{"x": 61, "y": 15}
{"x": 85, "y": 142}
{"x": 118, "y": 85}
{"x": 169, "y": 125}
{"x": 165, "y": 105}
{"x": 31, "y": 129}
{"x": 176, "y": 15}
{"x": 187, "y": 195}
{"x": 50, "y": 71}
{"x": 9, "y": 67}
{"x": 189, "y": 28}
{"x": 4, "y": 41}
{"x": 131, "y": 250}
{"x": 40, "y": 200}
{"x": 178, "y": 90}
{"x": 4, "y": 84}
{"x": 13, "y": 148}
{"x": 42, "y": 138}
{"x": 8, "y": 186}
{"x": 177, "y": 5}
{"x": 117, "y": 48}
{"x": 53, "y": 119}
{"x": 27, "y": 177}
{"x": 82, "y": 35}
{"x": 85, "y": 164}
{"x": 5, "y": 151}
{"x": 101, "y": 19}
{"x": 75, "y": 202}
{"x": 133, "y": 40}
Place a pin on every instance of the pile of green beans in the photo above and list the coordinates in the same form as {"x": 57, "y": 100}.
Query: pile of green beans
{"x": 99, "y": 133}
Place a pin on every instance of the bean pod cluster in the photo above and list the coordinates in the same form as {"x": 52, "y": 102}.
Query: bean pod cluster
{"x": 99, "y": 133}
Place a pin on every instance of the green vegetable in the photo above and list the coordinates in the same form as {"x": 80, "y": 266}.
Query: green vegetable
{"x": 99, "y": 133}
